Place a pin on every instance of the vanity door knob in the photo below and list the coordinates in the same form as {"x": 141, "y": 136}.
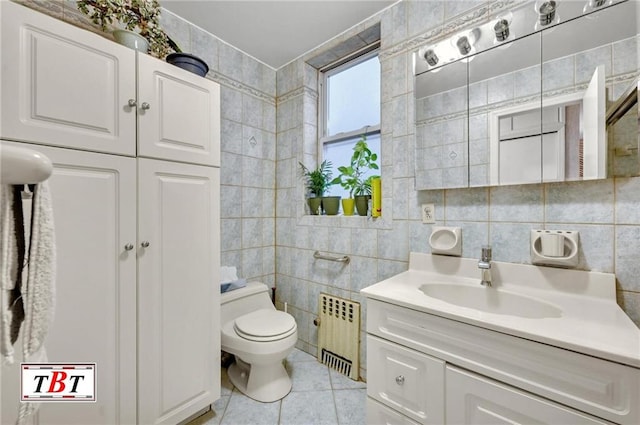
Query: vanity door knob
{"x": 399, "y": 379}
{"x": 128, "y": 247}
{"x": 132, "y": 103}
{"x": 145, "y": 106}
{"x": 145, "y": 244}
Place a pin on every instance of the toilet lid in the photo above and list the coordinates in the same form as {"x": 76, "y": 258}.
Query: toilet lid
{"x": 265, "y": 325}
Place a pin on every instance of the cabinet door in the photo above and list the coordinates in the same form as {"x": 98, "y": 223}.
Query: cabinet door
{"x": 94, "y": 201}
{"x": 406, "y": 380}
{"x": 380, "y": 414}
{"x": 179, "y": 300}
{"x": 474, "y": 399}
{"x": 64, "y": 86}
{"x": 178, "y": 114}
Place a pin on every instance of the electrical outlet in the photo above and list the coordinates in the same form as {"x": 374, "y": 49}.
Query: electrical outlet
{"x": 428, "y": 213}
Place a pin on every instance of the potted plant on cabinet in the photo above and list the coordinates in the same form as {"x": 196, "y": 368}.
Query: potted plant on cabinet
{"x": 141, "y": 30}
{"x": 137, "y": 17}
{"x": 317, "y": 182}
{"x": 352, "y": 178}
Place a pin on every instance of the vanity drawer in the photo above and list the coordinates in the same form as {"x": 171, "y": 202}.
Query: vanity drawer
{"x": 473, "y": 399}
{"x": 406, "y": 380}
{"x": 602, "y": 388}
{"x": 380, "y": 414}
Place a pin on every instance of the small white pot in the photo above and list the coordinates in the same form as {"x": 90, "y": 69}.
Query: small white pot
{"x": 131, "y": 39}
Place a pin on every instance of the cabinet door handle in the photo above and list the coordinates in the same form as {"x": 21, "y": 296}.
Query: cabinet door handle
{"x": 399, "y": 379}
{"x": 128, "y": 247}
{"x": 132, "y": 103}
{"x": 145, "y": 106}
{"x": 145, "y": 244}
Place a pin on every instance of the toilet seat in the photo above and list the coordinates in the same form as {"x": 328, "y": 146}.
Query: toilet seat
{"x": 265, "y": 325}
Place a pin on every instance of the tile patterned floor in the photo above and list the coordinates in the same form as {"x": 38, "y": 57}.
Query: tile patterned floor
{"x": 319, "y": 396}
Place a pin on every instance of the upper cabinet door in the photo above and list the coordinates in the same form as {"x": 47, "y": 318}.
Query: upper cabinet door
{"x": 178, "y": 114}
{"x": 65, "y": 86}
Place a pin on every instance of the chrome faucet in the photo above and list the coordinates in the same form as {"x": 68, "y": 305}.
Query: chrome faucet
{"x": 485, "y": 265}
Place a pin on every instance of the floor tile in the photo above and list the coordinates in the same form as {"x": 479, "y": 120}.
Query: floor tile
{"x": 309, "y": 376}
{"x": 242, "y": 410}
{"x": 309, "y": 408}
{"x": 350, "y": 406}
{"x": 342, "y": 382}
{"x": 300, "y": 356}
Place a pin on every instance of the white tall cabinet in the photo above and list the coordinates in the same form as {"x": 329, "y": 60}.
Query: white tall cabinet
{"x": 135, "y": 147}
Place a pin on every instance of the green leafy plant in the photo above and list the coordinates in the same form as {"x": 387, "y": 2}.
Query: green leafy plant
{"x": 351, "y": 177}
{"x": 141, "y": 16}
{"x": 317, "y": 181}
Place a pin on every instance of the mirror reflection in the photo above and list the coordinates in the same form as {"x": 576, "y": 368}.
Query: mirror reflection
{"x": 555, "y": 104}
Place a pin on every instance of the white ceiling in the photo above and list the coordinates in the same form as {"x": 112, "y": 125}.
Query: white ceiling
{"x": 275, "y": 32}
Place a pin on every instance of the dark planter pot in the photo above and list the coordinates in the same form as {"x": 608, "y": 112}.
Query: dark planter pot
{"x": 314, "y": 205}
{"x": 331, "y": 205}
{"x": 362, "y": 204}
{"x": 189, "y": 62}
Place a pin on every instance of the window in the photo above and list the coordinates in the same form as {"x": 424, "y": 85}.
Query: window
{"x": 351, "y": 107}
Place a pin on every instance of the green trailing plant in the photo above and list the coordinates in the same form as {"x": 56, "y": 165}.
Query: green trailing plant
{"x": 351, "y": 177}
{"x": 317, "y": 181}
{"x": 141, "y": 16}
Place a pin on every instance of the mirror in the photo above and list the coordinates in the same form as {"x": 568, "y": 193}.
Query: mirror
{"x": 547, "y": 104}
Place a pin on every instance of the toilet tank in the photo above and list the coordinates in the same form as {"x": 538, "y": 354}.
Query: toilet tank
{"x": 241, "y": 301}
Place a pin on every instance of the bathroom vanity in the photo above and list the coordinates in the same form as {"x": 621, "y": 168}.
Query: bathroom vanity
{"x": 542, "y": 345}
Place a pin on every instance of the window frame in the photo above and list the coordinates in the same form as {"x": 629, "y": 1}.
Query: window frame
{"x": 345, "y": 63}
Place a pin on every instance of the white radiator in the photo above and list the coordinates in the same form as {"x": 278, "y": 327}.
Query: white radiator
{"x": 339, "y": 334}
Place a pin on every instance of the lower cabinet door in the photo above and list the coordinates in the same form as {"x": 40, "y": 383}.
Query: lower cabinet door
{"x": 380, "y": 414}
{"x": 407, "y": 381}
{"x": 474, "y": 399}
{"x": 178, "y": 298}
{"x": 94, "y": 209}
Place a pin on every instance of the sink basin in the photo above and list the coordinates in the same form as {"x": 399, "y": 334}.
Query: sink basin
{"x": 490, "y": 300}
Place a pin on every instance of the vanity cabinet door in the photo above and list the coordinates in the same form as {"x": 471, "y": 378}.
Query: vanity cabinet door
{"x": 380, "y": 414}
{"x": 406, "y": 380}
{"x": 64, "y": 86}
{"x": 178, "y": 114}
{"x": 474, "y": 399}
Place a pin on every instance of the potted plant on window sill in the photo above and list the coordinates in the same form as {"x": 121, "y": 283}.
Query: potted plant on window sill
{"x": 351, "y": 177}
{"x": 317, "y": 182}
{"x": 137, "y": 25}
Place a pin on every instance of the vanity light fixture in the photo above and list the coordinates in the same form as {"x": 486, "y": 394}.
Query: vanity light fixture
{"x": 431, "y": 57}
{"x": 592, "y": 5}
{"x": 501, "y": 28}
{"x": 546, "y": 12}
{"x": 464, "y": 46}
{"x": 464, "y": 43}
{"x": 503, "y": 31}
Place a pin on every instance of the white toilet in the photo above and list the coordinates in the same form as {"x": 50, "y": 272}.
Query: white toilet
{"x": 260, "y": 337}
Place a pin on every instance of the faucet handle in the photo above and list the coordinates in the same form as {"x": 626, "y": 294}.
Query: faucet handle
{"x": 486, "y": 253}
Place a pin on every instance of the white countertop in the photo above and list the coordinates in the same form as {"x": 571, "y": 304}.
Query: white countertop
{"x": 591, "y": 321}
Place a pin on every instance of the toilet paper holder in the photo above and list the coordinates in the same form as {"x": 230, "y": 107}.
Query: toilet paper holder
{"x": 558, "y": 248}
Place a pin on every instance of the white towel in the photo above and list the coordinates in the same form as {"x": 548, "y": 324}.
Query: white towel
{"x": 8, "y": 270}
{"x": 39, "y": 288}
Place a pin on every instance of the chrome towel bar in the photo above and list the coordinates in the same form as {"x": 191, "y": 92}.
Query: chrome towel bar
{"x": 319, "y": 256}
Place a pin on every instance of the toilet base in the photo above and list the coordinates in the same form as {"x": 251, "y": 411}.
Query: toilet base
{"x": 265, "y": 383}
